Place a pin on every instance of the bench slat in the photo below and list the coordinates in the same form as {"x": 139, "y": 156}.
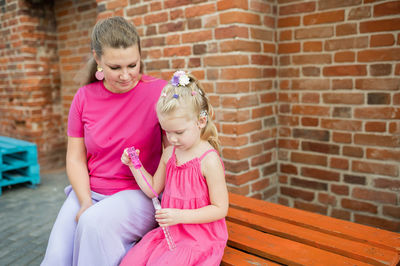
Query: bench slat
{"x": 329, "y": 225}
{"x": 234, "y": 257}
{"x": 282, "y": 250}
{"x": 334, "y": 244}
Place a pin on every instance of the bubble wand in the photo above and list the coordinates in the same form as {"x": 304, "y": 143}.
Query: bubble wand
{"x": 156, "y": 203}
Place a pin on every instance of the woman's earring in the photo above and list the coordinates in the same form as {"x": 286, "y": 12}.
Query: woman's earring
{"x": 99, "y": 73}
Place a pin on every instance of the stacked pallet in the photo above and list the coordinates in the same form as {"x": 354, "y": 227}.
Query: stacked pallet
{"x": 18, "y": 162}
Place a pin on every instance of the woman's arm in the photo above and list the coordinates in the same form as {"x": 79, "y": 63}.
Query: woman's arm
{"x": 214, "y": 173}
{"x": 77, "y": 172}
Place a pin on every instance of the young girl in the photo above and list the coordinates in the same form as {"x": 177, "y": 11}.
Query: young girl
{"x": 191, "y": 176}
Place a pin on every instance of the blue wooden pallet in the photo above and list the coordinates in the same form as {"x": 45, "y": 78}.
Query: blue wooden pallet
{"x": 18, "y": 162}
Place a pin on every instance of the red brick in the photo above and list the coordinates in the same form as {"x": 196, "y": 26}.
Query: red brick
{"x": 324, "y": 17}
{"x": 240, "y": 73}
{"x": 239, "y": 17}
{"x": 339, "y": 163}
{"x": 375, "y": 126}
{"x": 380, "y": 25}
{"x": 342, "y": 98}
{"x": 285, "y": 48}
{"x": 311, "y": 59}
{"x": 347, "y": 56}
{"x": 320, "y": 174}
{"x": 296, "y": 8}
{"x": 156, "y": 18}
{"x": 346, "y": 29}
{"x": 375, "y": 195}
{"x": 288, "y": 22}
{"x": 383, "y": 154}
{"x": 377, "y": 222}
{"x": 261, "y": 34}
{"x": 235, "y": 141}
{"x": 285, "y": 35}
{"x": 309, "y": 122}
{"x": 288, "y": 120}
{"x": 261, "y": 159}
{"x": 176, "y": 3}
{"x": 340, "y": 189}
{"x": 242, "y": 153}
{"x": 377, "y": 113}
{"x": 310, "y": 98}
{"x": 353, "y": 151}
{"x": 260, "y": 185}
{"x": 311, "y": 207}
{"x": 356, "y": 205}
{"x": 199, "y": 36}
{"x": 229, "y": 4}
{"x": 360, "y": 13}
{"x": 312, "y": 46}
{"x": 328, "y": 4}
{"x": 382, "y": 40}
{"x": 310, "y": 159}
{"x": 231, "y": 32}
{"x": 240, "y": 45}
{"x": 243, "y": 178}
{"x": 225, "y": 60}
{"x": 339, "y": 124}
{"x": 380, "y": 69}
{"x": 391, "y": 211}
{"x": 377, "y": 84}
{"x": 389, "y": 54}
{"x": 315, "y": 32}
{"x": 340, "y": 214}
{"x": 297, "y": 193}
{"x": 342, "y": 84}
{"x": 288, "y": 144}
{"x": 320, "y": 147}
{"x": 387, "y": 9}
{"x": 310, "y": 84}
{"x": 310, "y": 110}
{"x": 327, "y": 199}
{"x": 375, "y": 168}
{"x": 345, "y": 70}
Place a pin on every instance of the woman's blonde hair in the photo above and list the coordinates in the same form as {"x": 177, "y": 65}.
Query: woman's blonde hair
{"x": 112, "y": 32}
{"x": 193, "y": 96}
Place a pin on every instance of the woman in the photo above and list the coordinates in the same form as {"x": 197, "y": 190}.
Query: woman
{"x": 105, "y": 212}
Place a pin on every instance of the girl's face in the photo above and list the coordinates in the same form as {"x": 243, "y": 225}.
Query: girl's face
{"x": 120, "y": 67}
{"x": 182, "y": 131}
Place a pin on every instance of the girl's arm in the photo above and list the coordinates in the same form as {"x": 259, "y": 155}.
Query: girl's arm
{"x": 157, "y": 181}
{"x": 77, "y": 171}
{"x": 214, "y": 173}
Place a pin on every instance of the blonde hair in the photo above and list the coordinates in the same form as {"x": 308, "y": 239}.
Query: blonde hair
{"x": 193, "y": 96}
{"x": 113, "y": 32}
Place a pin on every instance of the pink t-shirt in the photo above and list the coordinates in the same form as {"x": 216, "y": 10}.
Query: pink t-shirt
{"x": 109, "y": 123}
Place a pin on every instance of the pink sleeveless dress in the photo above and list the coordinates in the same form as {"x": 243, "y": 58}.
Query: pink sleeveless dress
{"x": 196, "y": 244}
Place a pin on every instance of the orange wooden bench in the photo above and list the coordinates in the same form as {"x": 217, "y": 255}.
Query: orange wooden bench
{"x": 264, "y": 233}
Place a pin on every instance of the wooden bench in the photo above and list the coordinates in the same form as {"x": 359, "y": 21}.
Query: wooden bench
{"x": 264, "y": 233}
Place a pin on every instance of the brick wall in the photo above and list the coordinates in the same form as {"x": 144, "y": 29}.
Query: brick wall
{"x": 29, "y": 79}
{"x": 306, "y": 93}
{"x": 230, "y": 46}
{"x": 339, "y": 109}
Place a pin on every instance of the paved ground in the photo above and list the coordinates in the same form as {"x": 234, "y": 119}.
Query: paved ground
{"x": 26, "y": 218}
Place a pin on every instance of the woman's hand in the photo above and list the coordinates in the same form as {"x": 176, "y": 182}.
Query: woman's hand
{"x": 84, "y": 207}
{"x": 168, "y": 217}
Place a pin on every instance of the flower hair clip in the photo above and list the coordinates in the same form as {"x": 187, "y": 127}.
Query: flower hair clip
{"x": 203, "y": 113}
{"x": 180, "y": 78}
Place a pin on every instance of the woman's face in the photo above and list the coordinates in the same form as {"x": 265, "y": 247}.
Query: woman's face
{"x": 121, "y": 68}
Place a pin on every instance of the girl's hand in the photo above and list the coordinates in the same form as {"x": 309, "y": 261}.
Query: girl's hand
{"x": 168, "y": 217}
{"x": 125, "y": 159}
